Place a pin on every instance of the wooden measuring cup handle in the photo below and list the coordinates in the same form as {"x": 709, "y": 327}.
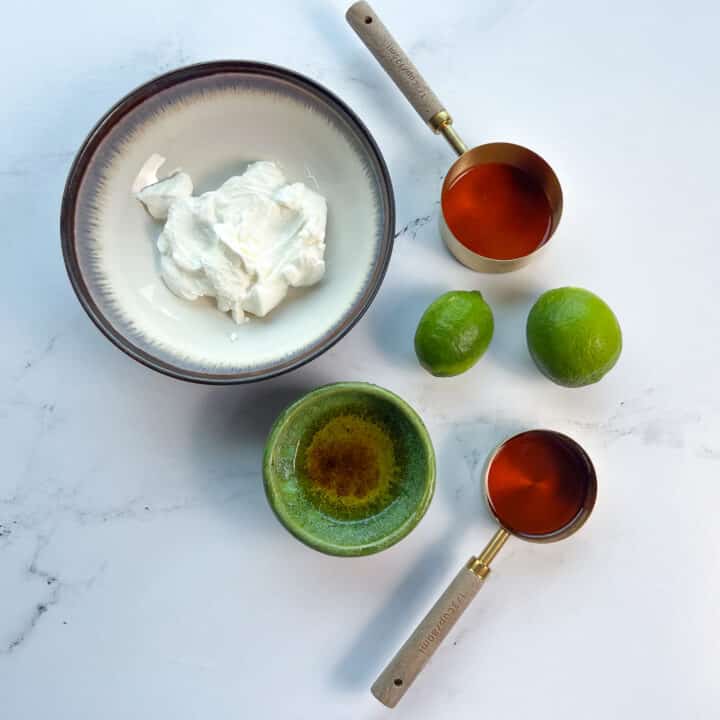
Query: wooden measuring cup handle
{"x": 402, "y": 670}
{"x": 378, "y": 40}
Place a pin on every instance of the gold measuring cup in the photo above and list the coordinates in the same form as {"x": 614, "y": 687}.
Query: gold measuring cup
{"x": 370, "y": 29}
{"x": 412, "y": 657}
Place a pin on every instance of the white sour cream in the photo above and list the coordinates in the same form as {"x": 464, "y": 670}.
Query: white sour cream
{"x": 243, "y": 244}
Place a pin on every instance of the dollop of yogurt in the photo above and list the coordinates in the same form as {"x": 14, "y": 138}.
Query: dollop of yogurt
{"x": 244, "y": 244}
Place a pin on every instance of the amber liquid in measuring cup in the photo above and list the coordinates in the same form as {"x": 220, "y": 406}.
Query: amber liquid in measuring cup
{"x": 498, "y": 211}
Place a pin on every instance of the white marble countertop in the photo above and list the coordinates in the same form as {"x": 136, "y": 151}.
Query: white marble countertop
{"x": 142, "y": 574}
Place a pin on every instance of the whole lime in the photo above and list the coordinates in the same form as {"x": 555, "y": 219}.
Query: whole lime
{"x": 573, "y": 336}
{"x": 454, "y": 332}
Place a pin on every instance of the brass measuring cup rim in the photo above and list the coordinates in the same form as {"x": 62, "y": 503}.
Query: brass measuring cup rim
{"x": 590, "y": 496}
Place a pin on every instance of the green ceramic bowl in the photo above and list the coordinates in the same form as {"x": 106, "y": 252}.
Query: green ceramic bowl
{"x": 349, "y": 469}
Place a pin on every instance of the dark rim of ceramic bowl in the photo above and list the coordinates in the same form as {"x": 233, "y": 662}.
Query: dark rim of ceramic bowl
{"x": 140, "y": 95}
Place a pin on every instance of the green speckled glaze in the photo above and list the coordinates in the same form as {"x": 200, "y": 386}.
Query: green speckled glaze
{"x": 300, "y": 510}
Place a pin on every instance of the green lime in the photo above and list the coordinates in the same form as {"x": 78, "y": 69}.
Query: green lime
{"x": 453, "y": 333}
{"x": 573, "y": 336}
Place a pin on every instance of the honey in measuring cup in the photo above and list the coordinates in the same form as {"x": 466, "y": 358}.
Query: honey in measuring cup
{"x": 498, "y": 211}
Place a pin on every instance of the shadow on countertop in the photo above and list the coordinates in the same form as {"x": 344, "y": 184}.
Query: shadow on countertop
{"x": 511, "y": 303}
{"x": 394, "y": 319}
{"x": 228, "y": 440}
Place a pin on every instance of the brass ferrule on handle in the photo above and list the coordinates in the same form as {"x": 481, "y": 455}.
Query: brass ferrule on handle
{"x": 401, "y": 671}
{"x": 442, "y": 123}
{"x": 480, "y": 565}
